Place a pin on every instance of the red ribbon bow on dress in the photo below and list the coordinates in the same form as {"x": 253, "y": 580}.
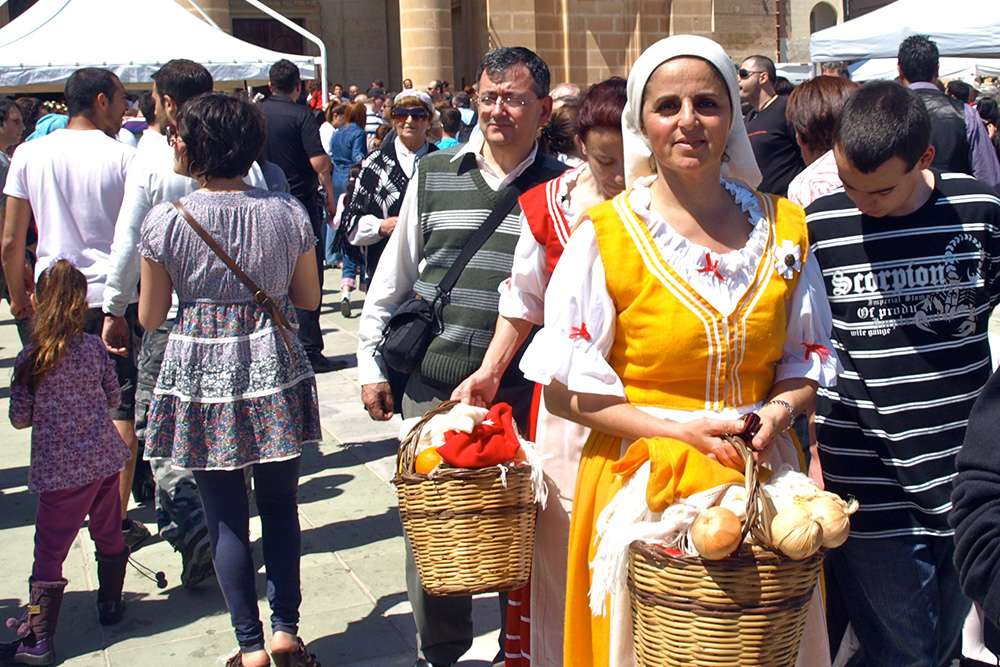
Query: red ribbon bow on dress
{"x": 821, "y": 350}
{"x": 492, "y": 441}
{"x": 711, "y": 267}
{"x": 579, "y": 332}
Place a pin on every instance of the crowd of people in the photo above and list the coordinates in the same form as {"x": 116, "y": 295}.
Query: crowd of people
{"x": 656, "y": 257}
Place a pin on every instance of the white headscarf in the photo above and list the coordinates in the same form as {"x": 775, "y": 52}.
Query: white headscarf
{"x": 741, "y": 164}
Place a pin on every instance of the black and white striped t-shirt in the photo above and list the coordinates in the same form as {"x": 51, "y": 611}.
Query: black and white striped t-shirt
{"x": 911, "y": 298}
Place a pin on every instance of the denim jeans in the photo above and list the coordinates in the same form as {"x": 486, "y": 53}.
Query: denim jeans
{"x": 227, "y": 512}
{"x": 351, "y": 274}
{"x": 903, "y": 599}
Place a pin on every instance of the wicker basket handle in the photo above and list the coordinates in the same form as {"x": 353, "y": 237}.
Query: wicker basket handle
{"x": 759, "y": 511}
{"x": 406, "y": 457}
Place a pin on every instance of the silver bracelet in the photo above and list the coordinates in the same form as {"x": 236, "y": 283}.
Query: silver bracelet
{"x": 786, "y": 405}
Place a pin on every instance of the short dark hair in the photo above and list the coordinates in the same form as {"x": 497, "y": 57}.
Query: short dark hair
{"x": 918, "y": 58}
{"x": 602, "y": 107}
{"x": 6, "y": 104}
{"x": 960, "y": 90}
{"x": 782, "y": 86}
{"x": 32, "y": 109}
{"x": 501, "y": 60}
{"x": 813, "y": 109}
{"x": 836, "y": 67}
{"x": 988, "y": 110}
{"x": 880, "y": 121}
{"x": 223, "y": 134}
{"x": 451, "y": 121}
{"x": 284, "y": 76}
{"x": 147, "y": 107}
{"x": 767, "y": 64}
{"x": 83, "y": 87}
{"x": 461, "y": 100}
{"x": 182, "y": 79}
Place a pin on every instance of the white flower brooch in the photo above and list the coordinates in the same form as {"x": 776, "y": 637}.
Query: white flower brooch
{"x": 788, "y": 258}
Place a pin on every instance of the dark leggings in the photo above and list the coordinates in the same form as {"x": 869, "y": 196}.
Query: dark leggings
{"x": 227, "y": 512}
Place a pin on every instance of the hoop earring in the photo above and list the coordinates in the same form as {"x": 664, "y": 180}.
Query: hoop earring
{"x": 652, "y": 163}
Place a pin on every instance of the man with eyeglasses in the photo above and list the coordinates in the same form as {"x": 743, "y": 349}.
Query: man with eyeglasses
{"x": 450, "y": 196}
{"x": 772, "y": 137}
{"x": 435, "y": 90}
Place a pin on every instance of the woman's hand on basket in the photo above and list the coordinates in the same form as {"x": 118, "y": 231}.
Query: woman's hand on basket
{"x": 705, "y": 435}
{"x": 378, "y": 401}
{"x": 774, "y": 419}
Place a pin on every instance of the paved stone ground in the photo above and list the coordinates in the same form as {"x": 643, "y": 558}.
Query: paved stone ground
{"x": 355, "y": 610}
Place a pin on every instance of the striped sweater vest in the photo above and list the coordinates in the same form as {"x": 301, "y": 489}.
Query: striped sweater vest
{"x": 454, "y": 201}
{"x": 672, "y": 349}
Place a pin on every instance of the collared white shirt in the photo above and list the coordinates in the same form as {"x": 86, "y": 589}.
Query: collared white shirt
{"x": 399, "y": 266}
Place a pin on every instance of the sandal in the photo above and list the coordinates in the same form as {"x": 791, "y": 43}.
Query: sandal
{"x": 300, "y": 657}
{"x": 236, "y": 660}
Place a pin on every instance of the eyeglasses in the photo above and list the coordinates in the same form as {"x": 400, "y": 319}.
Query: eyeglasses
{"x": 744, "y": 73}
{"x": 416, "y": 113}
{"x": 509, "y": 102}
{"x": 173, "y": 136}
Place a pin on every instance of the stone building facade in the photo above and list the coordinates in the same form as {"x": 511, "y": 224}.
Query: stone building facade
{"x": 583, "y": 41}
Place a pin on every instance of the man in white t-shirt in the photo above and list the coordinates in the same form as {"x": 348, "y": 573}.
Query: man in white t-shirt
{"x": 73, "y": 181}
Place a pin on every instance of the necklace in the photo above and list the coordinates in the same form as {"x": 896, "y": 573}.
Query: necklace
{"x": 768, "y": 103}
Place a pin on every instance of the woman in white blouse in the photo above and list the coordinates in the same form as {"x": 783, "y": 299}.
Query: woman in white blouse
{"x": 679, "y": 306}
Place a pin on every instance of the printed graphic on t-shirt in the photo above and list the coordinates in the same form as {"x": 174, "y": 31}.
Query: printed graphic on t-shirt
{"x": 935, "y": 293}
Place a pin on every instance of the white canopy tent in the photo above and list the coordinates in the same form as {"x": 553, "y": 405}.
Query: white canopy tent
{"x": 959, "y": 27}
{"x": 966, "y": 69}
{"x": 41, "y": 48}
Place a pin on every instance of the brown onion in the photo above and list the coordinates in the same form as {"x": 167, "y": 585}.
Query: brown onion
{"x": 796, "y": 533}
{"x": 716, "y": 533}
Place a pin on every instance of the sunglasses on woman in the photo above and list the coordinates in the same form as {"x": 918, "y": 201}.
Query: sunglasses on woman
{"x": 416, "y": 113}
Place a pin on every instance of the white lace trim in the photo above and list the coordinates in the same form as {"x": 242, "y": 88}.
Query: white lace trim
{"x": 738, "y": 267}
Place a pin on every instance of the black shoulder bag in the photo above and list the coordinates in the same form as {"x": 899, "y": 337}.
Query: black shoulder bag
{"x": 410, "y": 329}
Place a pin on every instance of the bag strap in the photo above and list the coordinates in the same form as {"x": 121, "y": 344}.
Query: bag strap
{"x": 493, "y": 220}
{"x": 259, "y": 295}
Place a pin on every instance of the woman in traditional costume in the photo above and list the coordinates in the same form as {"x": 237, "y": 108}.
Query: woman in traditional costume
{"x": 549, "y": 213}
{"x": 680, "y": 305}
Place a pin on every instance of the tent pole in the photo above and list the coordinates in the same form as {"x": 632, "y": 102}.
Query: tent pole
{"x": 201, "y": 11}
{"x": 302, "y": 31}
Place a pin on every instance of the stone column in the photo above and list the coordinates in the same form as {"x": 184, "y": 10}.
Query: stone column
{"x": 425, "y": 40}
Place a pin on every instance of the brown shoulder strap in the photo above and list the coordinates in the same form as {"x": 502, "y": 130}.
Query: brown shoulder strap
{"x": 259, "y": 295}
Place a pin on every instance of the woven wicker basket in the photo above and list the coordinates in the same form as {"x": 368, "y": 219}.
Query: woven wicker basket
{"x": 745, "y": 610}
{"x": 469, "y": 533}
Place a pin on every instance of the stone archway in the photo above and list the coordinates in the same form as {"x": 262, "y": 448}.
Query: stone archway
{"x": 822, "y": 16}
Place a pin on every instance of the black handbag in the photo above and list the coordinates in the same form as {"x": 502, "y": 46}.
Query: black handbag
{"x": 408, "y": 333}
{"x": 415, "y": 322}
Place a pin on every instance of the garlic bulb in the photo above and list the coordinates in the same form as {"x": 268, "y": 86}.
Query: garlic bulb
{"x": 795, "y": 533}
{"x": 716, "y": 533}
{"x": 735, "y": 500}
{"x": 832, "y": 515}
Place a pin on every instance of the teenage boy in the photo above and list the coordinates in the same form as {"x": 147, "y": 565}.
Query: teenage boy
{"x": 909, "y": 257}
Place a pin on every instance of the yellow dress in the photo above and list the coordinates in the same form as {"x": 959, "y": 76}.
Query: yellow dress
{"x": 672, "y": 349}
